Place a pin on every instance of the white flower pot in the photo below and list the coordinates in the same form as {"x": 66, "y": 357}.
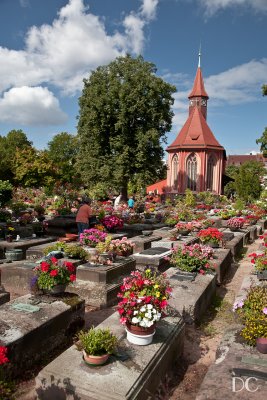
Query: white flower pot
{"x": 141, "y": 340}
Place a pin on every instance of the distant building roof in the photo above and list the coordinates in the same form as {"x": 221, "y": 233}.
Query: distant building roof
{"x": 159, "y": 187}
{"x": 241, "y": 159}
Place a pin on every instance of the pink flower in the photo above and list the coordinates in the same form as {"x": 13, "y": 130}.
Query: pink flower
{"x": 264, "y": 310}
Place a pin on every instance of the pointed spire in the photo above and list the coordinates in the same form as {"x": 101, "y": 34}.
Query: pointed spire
{"x": 198, "y": 87}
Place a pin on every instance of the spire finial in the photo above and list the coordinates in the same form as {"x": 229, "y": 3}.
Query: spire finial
{"x": 199, "y": 55}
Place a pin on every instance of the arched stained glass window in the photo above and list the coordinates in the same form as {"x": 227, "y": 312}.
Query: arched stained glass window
{"x": 191, "y": 172}
{"x": 175, "y": 165}
{"x": 210, "y": 172}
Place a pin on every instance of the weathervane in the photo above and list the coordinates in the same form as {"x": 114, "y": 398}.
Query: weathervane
{"x": 199, "y": 55}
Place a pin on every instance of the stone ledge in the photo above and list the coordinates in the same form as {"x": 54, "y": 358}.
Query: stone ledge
{"x": 136, "y": 378}
{"x": 191, "y": 299}
{"x": 31, "y": 336}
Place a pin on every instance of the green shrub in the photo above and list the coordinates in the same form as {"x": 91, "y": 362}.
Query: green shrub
{"x": 75, "y": 251}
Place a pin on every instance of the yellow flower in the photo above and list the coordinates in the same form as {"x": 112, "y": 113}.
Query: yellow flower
{"x": 156, "y": 286}
{"x": 157, "y": 294}
{"x": 10, "y": 228}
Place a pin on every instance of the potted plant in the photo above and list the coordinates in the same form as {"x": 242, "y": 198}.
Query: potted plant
{"x": 76, "y": 251}
{"x": 235, "y": 223}
{"x": 143, "y": 299}
{"x": 210, "y": 236}
{"x": 252, "y": 312}
{"x": 192, "y": 258}
{"x": 53, "y": 276}
{"x": 97, "y": 345}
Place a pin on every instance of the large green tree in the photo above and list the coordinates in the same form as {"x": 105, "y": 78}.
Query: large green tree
{"x": 264, "y": 90}
{"x": 9, "y": 144}
{"x": 263, "y": 139}
{"x": 62, "y": 150}
{"x": 125, "y": 112}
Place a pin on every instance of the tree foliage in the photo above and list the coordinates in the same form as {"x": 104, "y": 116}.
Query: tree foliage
{"x": 248, "y": 180}
{"x": 125, "y": 112}
{"x": 33, "y": 168}
{"x": 263, "y": 142}
{"x": 15, "y": 139}
{"x": 264, "y": 90}
{"x": 62, "y": 151}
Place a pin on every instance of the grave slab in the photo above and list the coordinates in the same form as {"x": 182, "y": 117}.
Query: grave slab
{"x": 236, "y": 244}
{"x": 191, "y": 298}
{"x": 169, "y": 244}
{"x": 33, "y": 327}
{"x": 144, "y": 242}
{"x": 16, "y": 276}
{"x": 23, "y": 244}
{"x": 99, "y": 284}
{"x": 154, "y": 257}
{"x": 136, "y": 375}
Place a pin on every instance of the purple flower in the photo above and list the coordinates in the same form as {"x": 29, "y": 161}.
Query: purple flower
{"x": 265, "y": 310}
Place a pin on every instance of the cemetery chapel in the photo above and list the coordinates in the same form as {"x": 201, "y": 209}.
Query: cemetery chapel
{"x": 196, "y": 160}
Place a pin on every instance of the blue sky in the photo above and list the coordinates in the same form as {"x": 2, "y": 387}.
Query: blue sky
{"x": 48, "y": 47}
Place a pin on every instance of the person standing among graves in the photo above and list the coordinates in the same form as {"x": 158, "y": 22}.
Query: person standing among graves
{"x": 131, "y": 202}
{"x": 83, "y": 215}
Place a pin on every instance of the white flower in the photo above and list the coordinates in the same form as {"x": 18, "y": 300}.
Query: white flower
{"x": 148, "y": 315}
{"x": 135, "y": 312}
{"x": 143, "y": 309}
{"x": 135, "y": 320}
{"x": 149, "y": 306}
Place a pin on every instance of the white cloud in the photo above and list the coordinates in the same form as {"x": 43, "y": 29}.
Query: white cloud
{"x": 253, "y": 152}
{"x": 65, "y": 52}
{"x": 212, "y": 6}
{"x": 24, "y": 3}
{"x": 31, "y": 106}
{"x": 149, "y": 8}
{"x": 239, "y": 84}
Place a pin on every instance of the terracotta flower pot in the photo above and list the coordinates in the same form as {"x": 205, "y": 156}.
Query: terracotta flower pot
{"x": 261, "y": 344}
{"x": 95, "y": 360}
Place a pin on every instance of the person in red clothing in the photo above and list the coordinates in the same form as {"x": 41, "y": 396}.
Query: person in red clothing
{"x": 83, "y": 215}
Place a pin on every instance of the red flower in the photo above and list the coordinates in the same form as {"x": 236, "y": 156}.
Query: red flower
{"x": 69, "y": 266}
{"x": 72, "y": 278}
{"x": 45, "y": 266}
{"x": 54, "y": 260}
{"x": 54, "y": 272}
{"x": 3, "y": 357}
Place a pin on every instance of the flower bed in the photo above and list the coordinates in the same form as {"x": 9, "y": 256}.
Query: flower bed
{"x": 193, "y": 258}
{"x": 90, "y": 237}
{"x": 210, "y": 235}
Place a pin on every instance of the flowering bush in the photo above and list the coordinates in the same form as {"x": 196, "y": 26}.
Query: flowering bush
{"x": 90, "y": 237}
{"x": 143, "y": 298}
{"x": 237, "y": 222}
{"x": 259, "y": 261}
{"x": 6, "y": 388}
{"x": 192, "y": 258}
{"x": 212, "y": 235}
{"x": 112, "y": 221}
{"x": 253, "y": 313}
{"x": 50, "y": 273}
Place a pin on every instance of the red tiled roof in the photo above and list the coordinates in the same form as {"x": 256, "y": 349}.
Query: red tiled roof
{"x": 159, "y": 186}
{"x": 198, "y": 88}
{"x": 241, "y": 159}
{"x": 195, "y": 133}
